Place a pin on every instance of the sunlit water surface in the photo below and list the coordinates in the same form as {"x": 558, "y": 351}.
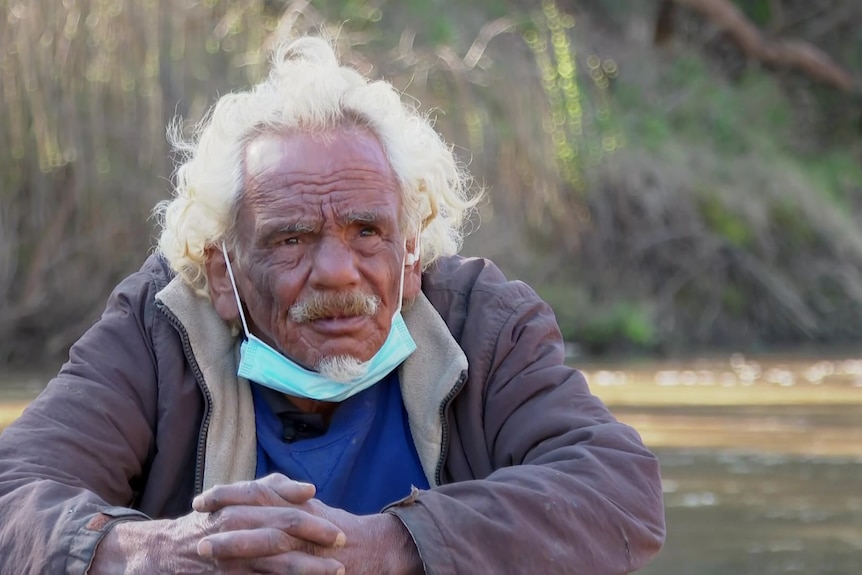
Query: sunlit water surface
{"x": 761, "y": 458}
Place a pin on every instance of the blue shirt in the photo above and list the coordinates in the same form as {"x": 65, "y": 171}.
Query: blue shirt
{"x": 364, "y": 461}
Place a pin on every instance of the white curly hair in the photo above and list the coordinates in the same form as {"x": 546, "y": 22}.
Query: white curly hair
{"x": 308, "y": 89}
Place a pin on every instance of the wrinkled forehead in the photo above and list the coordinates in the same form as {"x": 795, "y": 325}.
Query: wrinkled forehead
{"x": 297, "y": 170}
{"x": 319, "y": 153}
{"x": 318, "y": 134}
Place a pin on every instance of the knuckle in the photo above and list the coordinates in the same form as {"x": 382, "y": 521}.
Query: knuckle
{"x": 297, "y": 568}
{"x": 293, "y": 519}
{"x": 259, "y": 491}
{"x": 250, "y": 486}
{"x": 313, "y": 507}
{"x": 220, "y": 520}
{"x": 310, "y": 549}
{"x": 274, "y": 479}
{"x": 277, "y": 541}
{"x": 219, "y": 492}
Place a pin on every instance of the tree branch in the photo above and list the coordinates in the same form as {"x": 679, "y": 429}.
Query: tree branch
{"x": 789, "y": 53}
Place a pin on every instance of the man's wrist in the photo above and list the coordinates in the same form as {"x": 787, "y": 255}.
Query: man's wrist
{"x": 389, "y": 541}
{"x": 408, "y": 560}
{"x": 121, "y": 550}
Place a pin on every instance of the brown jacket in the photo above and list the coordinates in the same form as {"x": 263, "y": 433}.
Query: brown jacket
{"x": 148, "y": 411}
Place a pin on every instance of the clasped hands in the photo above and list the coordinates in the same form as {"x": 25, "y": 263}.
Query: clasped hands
{"x": 270, "y": 525}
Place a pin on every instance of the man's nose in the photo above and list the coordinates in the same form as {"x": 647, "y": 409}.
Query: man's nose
{"x": 334, "y": 265}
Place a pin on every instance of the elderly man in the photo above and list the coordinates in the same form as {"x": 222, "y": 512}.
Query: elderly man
{"x": 256, "y": 399}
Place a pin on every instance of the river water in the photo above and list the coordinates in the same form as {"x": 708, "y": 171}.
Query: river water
{"x": 761, "y": 460}
{"x": 761, "y": 457}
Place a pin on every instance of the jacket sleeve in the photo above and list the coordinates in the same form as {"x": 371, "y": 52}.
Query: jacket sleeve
{"x": 571, "y": 489}
{"x": 69, "y": 464}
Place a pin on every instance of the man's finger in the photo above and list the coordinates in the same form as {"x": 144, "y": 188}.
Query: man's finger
{"x": 293, "y": 521}
{"x": 247, "y": 544}
{"x": 292, "y": 491}
{"x": 290, "y": 563}
{"x": 250, "y": 544}
{"x": 258, "y": 492}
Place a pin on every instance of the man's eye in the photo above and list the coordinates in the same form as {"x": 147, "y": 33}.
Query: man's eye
{"x": 368, "y": 231}
{"x": 291, "y": 241}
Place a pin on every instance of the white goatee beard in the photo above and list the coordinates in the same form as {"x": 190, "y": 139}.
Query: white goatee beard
{"x": 342, "y": 368}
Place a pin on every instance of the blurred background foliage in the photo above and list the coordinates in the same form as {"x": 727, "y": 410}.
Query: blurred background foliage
{"x": 669, "y": 175}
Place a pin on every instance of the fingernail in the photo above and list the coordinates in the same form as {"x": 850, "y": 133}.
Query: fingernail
{"x": 198, "y": 503}
{"x": 205, "y": 549}
{"x": 340, "y": 540}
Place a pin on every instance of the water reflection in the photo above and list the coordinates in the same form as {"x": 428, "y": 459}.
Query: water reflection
{"x": 746, "y": 513}
{"x": 761, "y": 460}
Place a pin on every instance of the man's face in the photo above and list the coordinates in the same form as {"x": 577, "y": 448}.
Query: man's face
{"x": 319, "y": 223}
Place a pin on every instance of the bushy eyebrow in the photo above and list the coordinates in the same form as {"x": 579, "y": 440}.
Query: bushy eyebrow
{"x": 269, "y": 228}
{"x": 361, "y": 217}
{"x": 277, "y": 226}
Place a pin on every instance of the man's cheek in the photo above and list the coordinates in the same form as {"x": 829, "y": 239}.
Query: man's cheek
{"x": 265, "y": 283}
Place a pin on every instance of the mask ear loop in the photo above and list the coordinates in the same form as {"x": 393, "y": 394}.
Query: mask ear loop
{"x": 236, "y": 293}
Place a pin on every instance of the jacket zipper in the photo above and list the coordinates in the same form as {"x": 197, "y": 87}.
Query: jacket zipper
{"x": 199, "y": 377}
{"x": 444, "y": 406}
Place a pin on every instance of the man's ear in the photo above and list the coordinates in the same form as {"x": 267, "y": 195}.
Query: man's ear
{"x": 220, "y": 288}
{"x": 412, "y": 272}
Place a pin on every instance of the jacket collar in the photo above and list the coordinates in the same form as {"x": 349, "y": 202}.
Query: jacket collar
{"x": 427, "y": 378}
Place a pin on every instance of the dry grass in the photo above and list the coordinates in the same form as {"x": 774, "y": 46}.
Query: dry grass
{"x": 88, "y": 89}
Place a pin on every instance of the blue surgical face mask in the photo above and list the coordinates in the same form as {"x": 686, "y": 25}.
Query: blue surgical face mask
{"x": 260, "y": 363}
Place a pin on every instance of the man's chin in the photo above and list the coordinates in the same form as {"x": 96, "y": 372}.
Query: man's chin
{"x": 342, "y": 368}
